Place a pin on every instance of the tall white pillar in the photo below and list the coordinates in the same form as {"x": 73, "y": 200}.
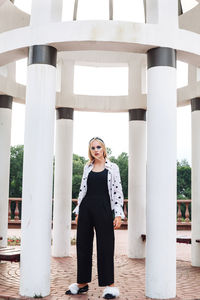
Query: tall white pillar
{"x": 63, "y": 183}
{"x": 137, "y": 183}
{"x": 195, "y": 255}
{"x": 161, "y": 174}
{"x": 161, "y": 11}
{"x": 5, "y": 138}
{"x": 192, "y": 74}
{"x": 38, "y": 172}
{"x": 45, "y": 11}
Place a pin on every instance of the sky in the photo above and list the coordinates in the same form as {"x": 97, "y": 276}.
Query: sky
{"x": 111, "y": 127}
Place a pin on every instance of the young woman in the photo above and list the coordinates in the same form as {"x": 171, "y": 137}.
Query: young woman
{"x": 100, "y": 195}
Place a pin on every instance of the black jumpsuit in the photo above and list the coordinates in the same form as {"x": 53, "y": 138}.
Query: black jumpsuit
{"x": 95, "y": 212}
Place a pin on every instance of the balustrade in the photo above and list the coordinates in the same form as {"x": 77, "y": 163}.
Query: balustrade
{"x": 14, "y": 212}
{"x": 183, "y": 221}
{"x": 183, "y": 216}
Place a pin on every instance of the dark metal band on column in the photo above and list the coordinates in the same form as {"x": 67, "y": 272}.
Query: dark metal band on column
{"x": 6, "y": 101}
{"x": 42, "y": 54}
{"x": 161, "y": 56}
{"x": 64, "y": 113}
{"x": 137, "y": 114}
{"x": 195, "y": 104}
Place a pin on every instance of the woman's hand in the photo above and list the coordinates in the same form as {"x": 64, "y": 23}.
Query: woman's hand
{"x": 117, "y": 222}
{"x": 76, "y": 219}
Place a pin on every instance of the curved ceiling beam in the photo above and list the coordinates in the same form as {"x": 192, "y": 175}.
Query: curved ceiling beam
{"x": 190, "y": 20}
{"x": 98, "y": 103}
{"x": 100, "y": 35}
{"x": 2, "y": 2}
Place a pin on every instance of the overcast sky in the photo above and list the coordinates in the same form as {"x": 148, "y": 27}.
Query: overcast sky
{"x": 111, "y": 127}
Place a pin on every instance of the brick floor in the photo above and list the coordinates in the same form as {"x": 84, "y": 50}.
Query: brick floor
{"x": 129, "y": 275}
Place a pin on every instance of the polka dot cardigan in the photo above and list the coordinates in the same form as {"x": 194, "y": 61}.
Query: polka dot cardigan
{"x": 114, "y": 187}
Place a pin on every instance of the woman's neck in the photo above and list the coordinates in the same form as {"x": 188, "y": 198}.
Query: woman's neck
{"x": 100, "y": 161}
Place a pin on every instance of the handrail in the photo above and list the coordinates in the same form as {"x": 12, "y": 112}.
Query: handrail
{"x": 183, "y": 221}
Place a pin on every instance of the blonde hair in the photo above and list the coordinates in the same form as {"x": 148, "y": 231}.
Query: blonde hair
{"x": 101, "y": 142}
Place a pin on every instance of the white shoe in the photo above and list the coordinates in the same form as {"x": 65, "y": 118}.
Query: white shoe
{"x": 74, "y": 289}
{"x": 110, "y": 292}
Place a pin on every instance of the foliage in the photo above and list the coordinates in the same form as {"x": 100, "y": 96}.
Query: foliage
{"x": 109, "y": 151}
{"x": 16, "y": 169}
{"x": 183, "y": 180}
{"x": 78, "y": 165}
{"x": 122, "y": 162}
{"x": 184, "y": 184}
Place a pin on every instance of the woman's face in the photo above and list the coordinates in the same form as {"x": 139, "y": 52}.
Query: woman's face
{"x": 96, "y": 150}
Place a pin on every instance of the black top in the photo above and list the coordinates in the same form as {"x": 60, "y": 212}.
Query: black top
{"x": 97, "y": 184}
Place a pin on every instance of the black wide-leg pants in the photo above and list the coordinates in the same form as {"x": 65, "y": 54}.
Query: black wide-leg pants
{"x": 95, "y": 213}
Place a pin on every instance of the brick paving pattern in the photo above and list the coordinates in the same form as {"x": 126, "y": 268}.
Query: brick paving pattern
{"x": 129, "y": 276}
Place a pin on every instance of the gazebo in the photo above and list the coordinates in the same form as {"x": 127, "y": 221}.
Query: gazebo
{"x": 150, "y": 51}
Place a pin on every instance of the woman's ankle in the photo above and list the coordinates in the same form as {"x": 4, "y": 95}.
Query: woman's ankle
{"x": 80, "y": 285}
{"x": 112, "y": 284}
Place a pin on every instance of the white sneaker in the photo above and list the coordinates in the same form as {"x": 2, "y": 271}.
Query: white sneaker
{"x": 74, "y": 289}
{"x": 110, "y": 292}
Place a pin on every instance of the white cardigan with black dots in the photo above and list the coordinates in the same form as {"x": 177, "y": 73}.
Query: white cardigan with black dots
{"x": 114, "y": 188}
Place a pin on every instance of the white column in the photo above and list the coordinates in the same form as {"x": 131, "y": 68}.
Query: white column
{"x": 137, "y": 81}
{"x": 66, "y": 97}
{"x": 63, "y": 183}
{"x": 195, "y": 255}
{"x": 5, "y": 138}
{"x": 161, "y": 174}
{"x": 137, "y": 183}
{"x": 38, "y": 172}
{"x": 192, "y": 74}
{"x": 163, "y": 12}
{"x": 46, "y": 11}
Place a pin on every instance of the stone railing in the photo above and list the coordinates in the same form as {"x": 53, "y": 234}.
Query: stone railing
{"x": 183, "y": 221}
{"x": 14, "y": 220}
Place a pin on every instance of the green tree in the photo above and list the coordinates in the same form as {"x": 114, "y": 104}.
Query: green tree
{"x": 122, "y": 162}
{"x": 184, "y": 183}
{"x": 183, "y": 180}
{"x": 16, "y": 170}
{"x": 78, "y": 165}
{"x": 109, "y": 151}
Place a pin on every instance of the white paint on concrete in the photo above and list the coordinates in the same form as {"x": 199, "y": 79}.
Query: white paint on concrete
{"x": 5, "y": 138}
{"x": 161, "y": 183}
{"x": 37, "y": 181}
{"x": 195, "y": 254}
{"x": 63, "y": 188}
{"x": 137, "y": 189}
